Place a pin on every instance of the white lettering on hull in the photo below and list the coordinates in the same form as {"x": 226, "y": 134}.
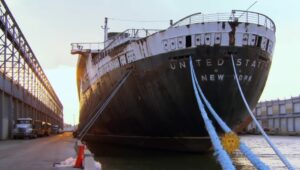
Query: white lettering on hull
{"x": 182, "y": 64}
{"x": 219, "y": 63}
{"x": 212, "y": 77}
{"x": 172, "y": 66}
{"x": 244, "y": 78}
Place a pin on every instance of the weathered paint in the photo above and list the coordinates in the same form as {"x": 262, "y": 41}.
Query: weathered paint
{"x": 173, "y": 39}
{"x": 158, "y": 95}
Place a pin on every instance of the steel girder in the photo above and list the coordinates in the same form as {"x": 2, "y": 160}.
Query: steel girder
{"x": 19, "y": 64}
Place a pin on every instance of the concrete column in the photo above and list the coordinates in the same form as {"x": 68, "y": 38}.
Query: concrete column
{"x": 1, "y": 115}
{"x": 287, "y": 125}
{"x": 294, "y": 124}
{"x": 273, "y": 123}
{"x": 30, "y": 114}
{"x": 14, "y": 109}
{"x": 34, "y": 114}
{"x": 19, "y": 110}
{"x": 4, "y": 112}
{"x": 39, "y": 115}
{"x": 11, "y": 115}
{"x": 22, "y": 111}
{"x": 280, "y": 128}
{"x": 25, "y": 110}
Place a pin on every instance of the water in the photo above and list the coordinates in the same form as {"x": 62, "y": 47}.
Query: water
{"x": 124, "y": 158}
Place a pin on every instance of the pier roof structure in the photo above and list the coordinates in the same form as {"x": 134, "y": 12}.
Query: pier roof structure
{"x": 25, "y": 88}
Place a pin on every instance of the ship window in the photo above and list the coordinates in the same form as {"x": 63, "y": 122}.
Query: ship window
{"x": 223, "y": 25}
{"x": 173, "y": 46}
{"x": 259, "y": 39}
{"x": 188, "y": 41}
{"x": 267, "y": 46}
{"x": 165, "y": 44}
{"x": 198, "y": 39}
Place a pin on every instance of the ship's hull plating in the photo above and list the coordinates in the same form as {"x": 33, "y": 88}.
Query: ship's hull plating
{"x": 156, "y": 106}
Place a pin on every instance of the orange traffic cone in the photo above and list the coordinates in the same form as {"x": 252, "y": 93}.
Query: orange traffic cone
{"x": 78, "y": 163}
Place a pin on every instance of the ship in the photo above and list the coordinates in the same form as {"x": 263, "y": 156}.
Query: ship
{"x": 155, "y": 105}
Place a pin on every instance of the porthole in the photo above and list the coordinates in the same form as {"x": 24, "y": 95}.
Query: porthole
{"x": 198, "y": 39}
{"x": 173, "y": 45}
{"x": 180, "y": 42}
{"x": 207, "y": 39}
{"x": 218, "y": 38}
{"x": 165, "y": 44}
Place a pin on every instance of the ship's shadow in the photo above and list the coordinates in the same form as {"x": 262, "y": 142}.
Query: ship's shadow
{"x": 116, "y": 157}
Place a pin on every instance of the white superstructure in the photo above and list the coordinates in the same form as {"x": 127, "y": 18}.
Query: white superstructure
{"x": 251, "y": 29}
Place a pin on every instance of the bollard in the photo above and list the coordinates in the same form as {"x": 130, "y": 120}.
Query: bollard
{"x": 79, "y": 160}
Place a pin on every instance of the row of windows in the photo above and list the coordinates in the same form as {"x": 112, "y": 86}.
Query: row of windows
{"x": 215, "y": 39}
{"x": 282, "y": 109}
{"x": 289, "y": 124}
{"x": 258, "y": 41}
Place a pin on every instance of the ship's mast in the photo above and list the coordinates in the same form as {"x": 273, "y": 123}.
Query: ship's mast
{"x": 105, "y": 29}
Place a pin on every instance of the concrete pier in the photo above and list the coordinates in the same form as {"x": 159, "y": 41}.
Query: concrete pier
{"x": 36, "y": 154}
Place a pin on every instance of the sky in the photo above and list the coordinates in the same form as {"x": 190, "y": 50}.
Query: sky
{"x": 50, "y": 26}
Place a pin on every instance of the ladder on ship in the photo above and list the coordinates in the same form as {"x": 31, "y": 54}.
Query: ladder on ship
{"x": 98, "y": 112}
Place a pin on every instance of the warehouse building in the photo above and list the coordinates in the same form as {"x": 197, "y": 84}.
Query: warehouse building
{"x": 280, "y": 117}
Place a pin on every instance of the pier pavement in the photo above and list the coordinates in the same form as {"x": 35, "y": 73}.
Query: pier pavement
{"x": 36, "y": 154}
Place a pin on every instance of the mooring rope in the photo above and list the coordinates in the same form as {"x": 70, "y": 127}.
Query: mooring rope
{"x": 276, "y": 150}
{"x": 222, "y": 155}
{"x": 104, "y": 105}
{"x": 243, "y": 147}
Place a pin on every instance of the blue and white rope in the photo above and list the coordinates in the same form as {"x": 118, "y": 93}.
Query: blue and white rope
{"x": 243, "y": 147}
{"x": 222, "y": 155}
{"x": 276, "y": 150}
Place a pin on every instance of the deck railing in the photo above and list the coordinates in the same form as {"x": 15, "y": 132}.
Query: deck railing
{"x": 132, "y": 34}
{"x": 234, "y": 16}
{"x": 80, "y": 47}
{"x": 129, "y": 34}
{"x": 120, "y": 38}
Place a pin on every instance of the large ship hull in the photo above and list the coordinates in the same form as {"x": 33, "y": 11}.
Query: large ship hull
{"x": 156, "y": 106}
